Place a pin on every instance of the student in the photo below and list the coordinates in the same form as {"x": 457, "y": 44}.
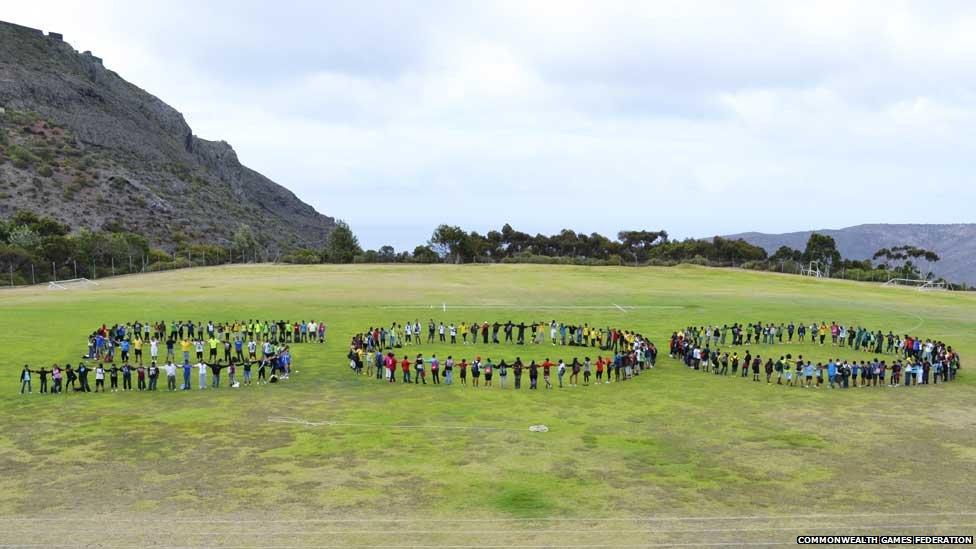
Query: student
{"x": 533, "y": 375}
{"x": 808, "y": 373}
{"x": 586, "y": 371}
{"x": 546, "y": 367}
{"x": 153, "y": 376}
{"x": 141, "y": 377}
{"x": 170, "y": 375}
{"x": 99, "y": 378}
{"x": 202, "y": 374}
{"x": 42, "y": 375}
{"x": 56, "y": 378}
{"x": 502, "y": 373}
{"x": 263, "y": 371}
{"x": 418, "y": 367}
{"x": 449, "y": 371}
{"x": 435, "y": 370}
{"x": 599, "y": 369}
{"x": 137, "y": 347}
{"x": 215, "y": 370}
{"x": 405, "y": 367}
{"x": 83, "y": 378}
{"x": 574, "y": 372}
{"x": 213, "y": 343}
{"x": 489, "y": 371}
{"x": 517, "y": 371}
{"x": 463, "y": 370}
{"x": 475, "y": 371}
{"x": 187, "y": 369}
{"x": 25, "y": 379}
{"x": 247, "y": 373}
{"x": 186, "y": 345}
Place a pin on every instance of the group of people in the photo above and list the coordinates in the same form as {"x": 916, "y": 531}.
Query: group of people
{"x": 371, "y": 354}
{"x": 229, "y": 338}
{"x": 224, "y": 345}
{"x": 838, "y": 335}
{"x": 147, "y": 378}
{"x": 398, "y": 335}
{"x": 915, "y": 361}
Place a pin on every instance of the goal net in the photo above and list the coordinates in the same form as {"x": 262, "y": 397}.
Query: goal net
{"x": 813, "y": 270}
{"x": 922, "y": 285}
{"x": 71, "y": 284}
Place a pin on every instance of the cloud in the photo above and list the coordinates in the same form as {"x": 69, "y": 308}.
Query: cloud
{"x": 697, "y": 117}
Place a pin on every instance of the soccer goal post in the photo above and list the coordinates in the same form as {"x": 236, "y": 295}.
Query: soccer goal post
{"x": 917, "y": 283}
{"x": 813, "y": 270}
{"x": 70, "y": 283}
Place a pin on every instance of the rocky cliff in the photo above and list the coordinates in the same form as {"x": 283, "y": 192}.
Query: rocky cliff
{"x": 82, "y": 145}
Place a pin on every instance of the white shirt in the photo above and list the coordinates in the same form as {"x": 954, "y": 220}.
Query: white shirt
{"x": 171, "y": 369}
{"x": 202, "y": 367}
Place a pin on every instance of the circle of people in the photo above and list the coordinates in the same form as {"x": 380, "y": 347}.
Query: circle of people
{"x": 915, "y": 361}
{"x": 372, "y": 353}
{"x": 129, "y": 341}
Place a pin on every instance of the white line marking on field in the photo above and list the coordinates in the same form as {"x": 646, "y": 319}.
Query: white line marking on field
{"x": 619, "y": 307}
{"x": 444, "y": 305}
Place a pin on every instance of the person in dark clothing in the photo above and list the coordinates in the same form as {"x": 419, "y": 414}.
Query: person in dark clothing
{"x": 42, "y": 375}
{"x": 83, "y": 378}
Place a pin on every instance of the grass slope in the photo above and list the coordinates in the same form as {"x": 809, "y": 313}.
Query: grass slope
{"x": 207, "y": 468}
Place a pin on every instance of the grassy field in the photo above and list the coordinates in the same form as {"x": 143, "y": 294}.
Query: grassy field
{"x": 670, "y": 458}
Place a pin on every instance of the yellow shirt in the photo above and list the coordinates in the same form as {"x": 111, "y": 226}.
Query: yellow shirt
{"x": 137, "y": 344}
{"x": 185, "y": 345}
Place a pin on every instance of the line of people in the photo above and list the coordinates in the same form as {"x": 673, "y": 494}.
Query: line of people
{"x": 857, "y": 338}
{"x": 147, "y": 378}
{"x": 911, "y": 366}
{"x": 621, "y": 366}
{"x": 398, "y": 335}
{"x": 372, "y": 353}
{"x": 231, "y": 339}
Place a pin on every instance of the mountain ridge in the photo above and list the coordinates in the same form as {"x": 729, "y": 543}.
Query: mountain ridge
{"x": 86, "y": 147}
{"x": 954, "y": 242}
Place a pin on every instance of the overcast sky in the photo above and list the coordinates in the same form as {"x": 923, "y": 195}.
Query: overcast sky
{"x": 699, "y": 118}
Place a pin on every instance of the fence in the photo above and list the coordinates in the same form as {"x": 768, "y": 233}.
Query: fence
{"x": 28, "y": 274}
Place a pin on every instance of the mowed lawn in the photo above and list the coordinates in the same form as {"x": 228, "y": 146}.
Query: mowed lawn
{"x": 672, "y": 457}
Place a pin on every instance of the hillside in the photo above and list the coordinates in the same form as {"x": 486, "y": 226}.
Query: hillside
{"x": 80, "y": 144}
{"x": 956, "y": 244}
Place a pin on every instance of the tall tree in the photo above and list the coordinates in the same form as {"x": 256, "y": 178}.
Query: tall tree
{"x": 450, "y": 242}
{"x": 822, "y": 249}
{"x": 342, "y": 245}
{"x": 637, "y": 243}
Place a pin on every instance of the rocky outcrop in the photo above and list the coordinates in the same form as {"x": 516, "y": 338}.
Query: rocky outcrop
{"x": 84, "y": 146}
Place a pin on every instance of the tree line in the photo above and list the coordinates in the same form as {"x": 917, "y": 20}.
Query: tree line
{"x": 35, "y": 248}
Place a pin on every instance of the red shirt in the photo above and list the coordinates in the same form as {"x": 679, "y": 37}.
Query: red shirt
{"x": 545, "y": 367}
{"x": 405, "y": 365}
{"x": 599, "y": 365}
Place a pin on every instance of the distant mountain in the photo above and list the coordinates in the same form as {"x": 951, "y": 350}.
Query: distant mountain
{"x": 82, "y": 145}
{"x": 956, "y": 244}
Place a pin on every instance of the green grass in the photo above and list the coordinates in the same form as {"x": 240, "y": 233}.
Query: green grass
{"x": 670, "y": 443}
